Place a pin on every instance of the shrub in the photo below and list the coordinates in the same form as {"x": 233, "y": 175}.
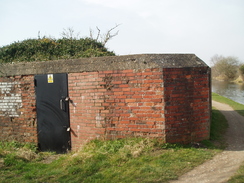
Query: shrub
{"x": 225, "y": 67}
{"x": 51, "y": 49}
{"x": 241, "y": 68}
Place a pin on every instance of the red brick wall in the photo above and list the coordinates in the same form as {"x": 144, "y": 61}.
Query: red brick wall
{"x": 17, "y": 109}
{"x": 116, "y": 104}
{"x": 169, "y": 103}
{"x": 187, "y": 104}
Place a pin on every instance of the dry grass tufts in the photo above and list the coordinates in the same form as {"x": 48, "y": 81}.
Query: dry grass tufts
{"x": 135, "y": 150}
{"x": 26, "y": 154}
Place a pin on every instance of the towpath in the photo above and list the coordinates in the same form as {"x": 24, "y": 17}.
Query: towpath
{"x": 225, "y": 164}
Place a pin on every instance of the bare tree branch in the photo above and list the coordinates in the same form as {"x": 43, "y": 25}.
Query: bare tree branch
{"x": 98, "y": 34}
{"x": 91, "y": 33}
{"x": 104, "y": 38}
{"x": 69, "y": 33}
{"x": 108, "y": 36}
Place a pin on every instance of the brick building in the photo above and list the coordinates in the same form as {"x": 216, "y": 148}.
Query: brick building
{"x": 166, "y": 96}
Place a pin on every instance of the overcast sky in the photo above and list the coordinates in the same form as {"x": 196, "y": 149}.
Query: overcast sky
{"x": 202, "y": 27}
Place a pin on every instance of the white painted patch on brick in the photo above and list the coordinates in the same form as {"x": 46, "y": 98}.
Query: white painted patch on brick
{"x": 98, "y": 120}
{"x": 78, "y": 131}
{"x": 10, "y": 101}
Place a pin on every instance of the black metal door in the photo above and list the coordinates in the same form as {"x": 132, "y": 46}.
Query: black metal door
{"x": 52, "y": 104}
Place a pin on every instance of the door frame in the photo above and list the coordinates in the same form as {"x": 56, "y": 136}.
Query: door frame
{"x": 52, "y": 108}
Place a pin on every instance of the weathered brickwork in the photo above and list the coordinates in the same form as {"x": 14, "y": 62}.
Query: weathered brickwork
{"x": 17, "y": 109}
{"x": 159, "y": 96}
{"x": 116, "y": 104}
{"x": 187, "y": 104}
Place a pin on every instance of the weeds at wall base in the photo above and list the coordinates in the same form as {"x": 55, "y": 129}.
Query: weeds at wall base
{"x": 124, "y": 160}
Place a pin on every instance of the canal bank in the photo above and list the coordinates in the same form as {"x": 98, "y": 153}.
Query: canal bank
{"x": 229, "y": 90}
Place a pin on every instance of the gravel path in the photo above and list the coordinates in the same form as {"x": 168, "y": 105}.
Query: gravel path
{"x": 225, "y": 164}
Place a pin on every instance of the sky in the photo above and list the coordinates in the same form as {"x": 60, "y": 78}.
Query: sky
{"x": 201, "y": 27}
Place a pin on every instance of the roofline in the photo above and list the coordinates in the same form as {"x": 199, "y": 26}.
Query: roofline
{"x": 137, "y": 62}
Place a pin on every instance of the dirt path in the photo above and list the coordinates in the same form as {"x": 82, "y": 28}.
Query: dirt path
{"x": 225, "y": 164}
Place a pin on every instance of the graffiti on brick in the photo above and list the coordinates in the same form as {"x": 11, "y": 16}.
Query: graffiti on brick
{"x": 10, "y": 99}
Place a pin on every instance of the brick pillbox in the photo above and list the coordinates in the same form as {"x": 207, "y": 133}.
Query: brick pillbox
{"x": 166, "y": 96}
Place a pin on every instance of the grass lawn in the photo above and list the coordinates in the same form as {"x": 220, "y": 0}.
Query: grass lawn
{"x": 125, "y": 160}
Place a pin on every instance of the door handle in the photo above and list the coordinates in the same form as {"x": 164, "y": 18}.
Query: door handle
{"x": 61, "y": 103}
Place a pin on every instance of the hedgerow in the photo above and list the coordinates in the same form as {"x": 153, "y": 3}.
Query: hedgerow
{"x": 44, "y": 49}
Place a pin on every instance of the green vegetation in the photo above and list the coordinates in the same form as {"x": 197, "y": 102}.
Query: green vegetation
{"x": 236, "y": 106}
{"x": 124, "y": 160}
{"x": 218, "y": 127}
{"x": 52, "y": 49}
{"x": 242, "y": 69}
{"x": 239, "y": 176}
{"x": 70, "y": 46}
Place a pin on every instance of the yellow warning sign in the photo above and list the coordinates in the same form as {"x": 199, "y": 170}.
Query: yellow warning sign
{"x": 50, "y": 78}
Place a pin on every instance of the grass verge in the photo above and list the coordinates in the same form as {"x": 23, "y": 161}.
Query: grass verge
{"x": 218, "y": 127}
{"x": 239, "y": 176}
{"x": 125, "y": 160}
{"x": 235, "y": 105}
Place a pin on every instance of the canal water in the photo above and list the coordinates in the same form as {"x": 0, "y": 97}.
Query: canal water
{"x": 229, "y": 90}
